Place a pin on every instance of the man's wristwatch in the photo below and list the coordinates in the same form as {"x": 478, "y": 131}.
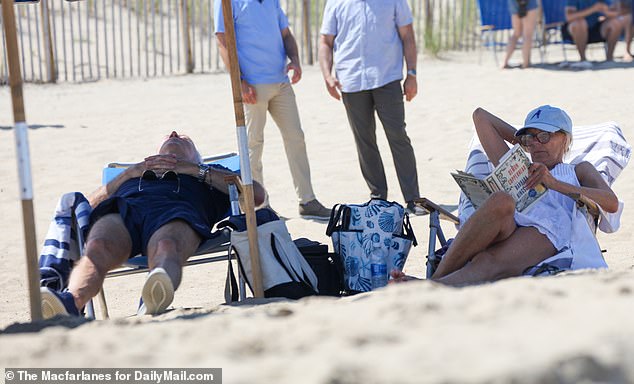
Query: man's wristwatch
{"x": 411, "y": 72}
{"x": 203, "y": 169}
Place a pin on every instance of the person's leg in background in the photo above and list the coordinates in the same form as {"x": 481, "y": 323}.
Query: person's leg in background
{"x": 628, "y": 26}
{"x": 360, "y": 111}
{"x": 516, "y": 23}
{"x": 611, "y": 30}
{"x": 255, "y": 116}
{"x": 283, "y": 109}
{"x": 391, "y": 111}
{"x": 528, "y": 29}
{"x": 578, "y": 30}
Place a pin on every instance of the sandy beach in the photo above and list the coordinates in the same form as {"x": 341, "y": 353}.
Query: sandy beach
{"x": 563, "y": 329}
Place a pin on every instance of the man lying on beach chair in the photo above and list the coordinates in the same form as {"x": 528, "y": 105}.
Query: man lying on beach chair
{"x": 163, "y": 207}
{"x": 497, "y": 241}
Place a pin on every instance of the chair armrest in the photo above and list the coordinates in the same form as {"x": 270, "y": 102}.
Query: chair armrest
{"x": 590, "y": 205}
{"x": 222, "y": 156}
{"x": 430, "y": 206}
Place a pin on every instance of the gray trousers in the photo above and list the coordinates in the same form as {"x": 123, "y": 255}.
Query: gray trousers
{"x": 388, "y": 103}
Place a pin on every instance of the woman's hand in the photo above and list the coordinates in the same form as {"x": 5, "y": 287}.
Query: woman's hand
{"x": 539, "y": 174}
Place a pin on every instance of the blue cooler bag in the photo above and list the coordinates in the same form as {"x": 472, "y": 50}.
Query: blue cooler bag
{"x": 357, "y": 229}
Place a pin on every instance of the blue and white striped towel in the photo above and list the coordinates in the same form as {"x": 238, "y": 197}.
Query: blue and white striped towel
{"x": 61, "y": 247}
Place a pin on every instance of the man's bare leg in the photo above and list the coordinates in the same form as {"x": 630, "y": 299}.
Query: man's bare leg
{"x": 524, "y": 248}
{"x": 578, "y": 29}
{"x": 611, "y": 31}
{"x": 170, "y": 246}
{"x": 627, "y": 22}
{"x": 168, "y": 249}
{"x": 108, "y": 246}
{"x": 491, "y": 223}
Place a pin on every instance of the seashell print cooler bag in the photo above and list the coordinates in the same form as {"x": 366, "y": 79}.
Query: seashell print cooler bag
{"x": 356, "y": 229}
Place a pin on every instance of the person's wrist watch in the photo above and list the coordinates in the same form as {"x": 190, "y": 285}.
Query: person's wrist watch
{"x": 203, "y": 169}
{"x": 411, "y": 72}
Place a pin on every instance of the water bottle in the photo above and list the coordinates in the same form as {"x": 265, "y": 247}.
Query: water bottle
{"x": 378, "y": 266}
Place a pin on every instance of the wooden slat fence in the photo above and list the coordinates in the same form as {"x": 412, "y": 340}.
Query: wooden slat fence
{"x": 88, "y": 40}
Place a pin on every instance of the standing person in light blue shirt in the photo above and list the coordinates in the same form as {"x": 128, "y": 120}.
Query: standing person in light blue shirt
{"x": 264, "y": 42}
{"x": 366, "y": 40}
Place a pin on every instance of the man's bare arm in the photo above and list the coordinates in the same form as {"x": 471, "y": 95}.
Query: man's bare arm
{"x": 410, "y": 86}
{"x": 573, "y": 13}
{"x": 290, "y": 46}
{"x": 222, "y": 48}
{"x": 326, "y": 45}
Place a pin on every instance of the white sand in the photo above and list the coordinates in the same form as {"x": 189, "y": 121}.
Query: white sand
{"x": 559, "y": 329}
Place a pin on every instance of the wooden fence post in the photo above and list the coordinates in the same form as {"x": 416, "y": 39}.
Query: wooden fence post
{"x": 187, "y": 46}
{"x": 48, "y": 43}
{"x": 308, "y": 43}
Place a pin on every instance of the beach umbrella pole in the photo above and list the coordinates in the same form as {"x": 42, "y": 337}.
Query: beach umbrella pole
{"x": 243, "y": 149}
{"x": 24, "y": 162}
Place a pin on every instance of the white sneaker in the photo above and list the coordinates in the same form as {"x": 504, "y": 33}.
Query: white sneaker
{"x": 581, "y": 65}
{"x": 157, "y": 293}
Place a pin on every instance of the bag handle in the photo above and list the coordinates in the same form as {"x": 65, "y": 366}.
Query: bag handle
{"x": 335, "y": 216}
{"x": 408, "y": 232}
{"x": 231, "y": 285}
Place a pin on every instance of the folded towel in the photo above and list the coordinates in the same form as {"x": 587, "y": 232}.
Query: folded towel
{"x": 61, "y": 246}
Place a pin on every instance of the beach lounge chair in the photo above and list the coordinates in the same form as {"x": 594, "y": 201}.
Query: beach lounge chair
{"x": 215, "y": 249}
{"x": 602, "y": 145}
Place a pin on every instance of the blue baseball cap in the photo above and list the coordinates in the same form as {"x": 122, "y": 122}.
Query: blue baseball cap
{"x": 547, "y": 118}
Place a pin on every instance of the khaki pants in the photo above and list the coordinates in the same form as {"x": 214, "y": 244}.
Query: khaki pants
{"x": 279, "y": 100}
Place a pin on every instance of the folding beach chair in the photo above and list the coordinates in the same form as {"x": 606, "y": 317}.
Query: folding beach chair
{"x": 215, "y": 249}
{"x": 494, "y": 16}
{"x": 602, "y": 145}
{"x": 554, "y": 18}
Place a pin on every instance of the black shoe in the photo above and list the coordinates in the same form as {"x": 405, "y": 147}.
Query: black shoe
{"x": 314, "y": 210}
{"x": 414, "y": 209}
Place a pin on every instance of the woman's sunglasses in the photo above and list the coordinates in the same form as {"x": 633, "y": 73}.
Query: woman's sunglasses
{"x": 528, "y": 138}
{"x": 168, "y": 175}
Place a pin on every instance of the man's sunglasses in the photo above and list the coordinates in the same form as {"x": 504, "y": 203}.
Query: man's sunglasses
{"x": 528, "y": 138}
{"x": 150, "y": 174}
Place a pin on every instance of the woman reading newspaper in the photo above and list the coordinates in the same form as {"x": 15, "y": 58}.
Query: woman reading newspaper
{"x": 497, "y": 241}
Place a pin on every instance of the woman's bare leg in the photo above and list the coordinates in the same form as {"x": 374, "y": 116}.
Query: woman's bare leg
{"x": 524, "y": 248}
{"x": 491, "y": 223}
{"x": 517, "y": 32}
{"x": 528, "y": 28}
